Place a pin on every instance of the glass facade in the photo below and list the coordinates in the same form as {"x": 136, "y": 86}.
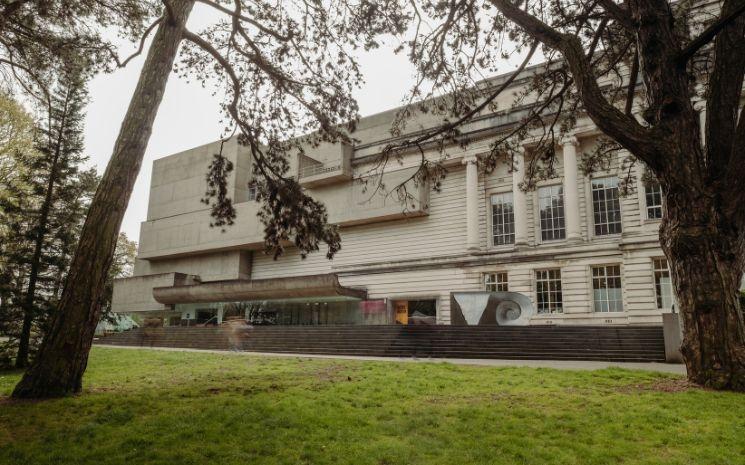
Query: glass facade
{"x": 293, "y": 312}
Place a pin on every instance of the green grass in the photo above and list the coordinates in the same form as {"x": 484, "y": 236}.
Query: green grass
{"x": 155, "y": 407}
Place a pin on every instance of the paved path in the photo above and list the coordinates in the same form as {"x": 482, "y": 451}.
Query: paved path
{"x": 558, "y": 364}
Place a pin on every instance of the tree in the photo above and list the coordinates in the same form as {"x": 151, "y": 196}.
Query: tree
{"x": 43, "y": 205}
{"x": 636, "y": 68}
{"x": 16, "y": 134}
{"x": 122, "y": 265}
{"x": 288, "y": 70}
{"x": 40, "y": 40}
{"x": 60, "y": 146}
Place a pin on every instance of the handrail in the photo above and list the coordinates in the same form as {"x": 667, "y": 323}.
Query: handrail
{"x": 320, "y": 168}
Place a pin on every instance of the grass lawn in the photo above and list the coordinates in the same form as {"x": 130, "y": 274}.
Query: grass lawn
{"x": 155, "y": 407}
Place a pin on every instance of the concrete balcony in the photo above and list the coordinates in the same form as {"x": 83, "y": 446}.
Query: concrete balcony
{"x": 354, "y": 203}
{"x": 191, "y": 233}
{"x": 348, "y": 204}
{"x": 331, "y": 164}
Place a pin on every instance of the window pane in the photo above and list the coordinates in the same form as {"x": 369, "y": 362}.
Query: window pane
{"x": 551, "y": 204}
{"x": 548, "y": 291}
{"x": 606, "y": 206}
{"x": 503, "y": 219}
{"x": 496, "y": 282}
{"x": 663, "y": 284}
{"x": 606, "y": 287}
{"x": 653, "y": 196}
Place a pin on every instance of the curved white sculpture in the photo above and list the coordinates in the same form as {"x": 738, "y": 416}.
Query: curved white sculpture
{"x": 510, "y": 308}
{"x": 514, "y": 309}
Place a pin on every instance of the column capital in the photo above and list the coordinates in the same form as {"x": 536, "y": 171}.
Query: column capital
{"x": 470, "y": 159}
{"x": 570, "y": 140}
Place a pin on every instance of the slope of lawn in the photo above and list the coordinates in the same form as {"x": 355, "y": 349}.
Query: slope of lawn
{"x": 156, "y": 407}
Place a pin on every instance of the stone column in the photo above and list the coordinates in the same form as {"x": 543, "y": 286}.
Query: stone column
{"x": 472, "y": 203}
{"x": 571, "y": 189}
{"x": 519, "y": 199}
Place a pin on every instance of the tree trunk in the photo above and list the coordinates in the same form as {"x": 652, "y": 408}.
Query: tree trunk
{"x": 58, "y": 368}
{"x": 706, "y": 262}
{"x": 41, "y": 231}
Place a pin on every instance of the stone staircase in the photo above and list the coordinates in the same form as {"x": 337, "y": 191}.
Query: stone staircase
{"x": 620, "y": 344}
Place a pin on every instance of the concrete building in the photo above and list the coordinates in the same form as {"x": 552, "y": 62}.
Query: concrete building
{"x": 582, "y": 253}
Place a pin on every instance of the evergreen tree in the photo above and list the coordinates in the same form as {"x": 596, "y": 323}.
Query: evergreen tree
{"x": 44, "y": 207}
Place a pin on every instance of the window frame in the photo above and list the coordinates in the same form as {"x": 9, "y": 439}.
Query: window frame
{"x": 496, "y": 282}
{"x": 490, "y": 206}
{"x": 606, "y": 277}
{"x": 645, "y": 202}
{"x": 538, "y": 231}
{"x": 593, "y": 225}
{"x": 551, "y": 302}
{"x": 252, "y": 191}
{"x": 657, "y": 287}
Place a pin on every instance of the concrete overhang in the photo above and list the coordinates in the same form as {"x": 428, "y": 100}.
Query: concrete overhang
{"x": 322, "y": 285}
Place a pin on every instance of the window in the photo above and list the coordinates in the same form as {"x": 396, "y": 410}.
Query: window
{"x": 422, "y": 312}
{"x": 606, "y": 288}
{"x": 503, "y": 219}
{"x": 551, "y": 204}
{"x": 606, "y": 206}
{"x": 548, "y": 291}
{"x": 252, "y": 190}
{"x": 653, "y": 196}
{"x": 496, "y": 282}
{"x": 663, "y": 285}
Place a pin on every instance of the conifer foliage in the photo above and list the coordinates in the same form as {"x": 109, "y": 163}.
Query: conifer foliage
{"x": 43, "y": 206}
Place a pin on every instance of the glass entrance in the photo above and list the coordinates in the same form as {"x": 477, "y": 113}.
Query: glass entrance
{"x": 415, "y": 312}
{"x": 335, "y": 310}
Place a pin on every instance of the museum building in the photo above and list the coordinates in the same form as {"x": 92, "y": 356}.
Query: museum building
{"x": 577, "y": 250}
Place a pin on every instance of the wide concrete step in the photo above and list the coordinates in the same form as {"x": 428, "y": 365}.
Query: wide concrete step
{"x": 536, "y": 342}
{"x": 435, "y": 342}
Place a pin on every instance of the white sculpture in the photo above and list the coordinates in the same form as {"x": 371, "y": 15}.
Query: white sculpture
{"x": 511, "y": 308}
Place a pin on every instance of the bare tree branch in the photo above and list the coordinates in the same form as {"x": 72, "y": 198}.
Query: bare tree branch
{"x": 238, "y": 16}
{"x": 710, "y": 33}
{"x": 145, "y": 35}
{"x": 620, "y": 14}
{"x": 633, "y": 77}
{"x": 469, "y": 114}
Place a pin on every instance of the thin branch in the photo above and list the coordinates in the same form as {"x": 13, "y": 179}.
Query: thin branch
{"x": 233, "y": 105}
{"x": 624, "y": 128}
{"x": 618, "y": 13}
{"x": 450, "y": 126}
{"x": 631, "y": 90}
{"x": 141, "y": 46}
{"x": 709, "y": 34}
{"x": 237, "y": 15}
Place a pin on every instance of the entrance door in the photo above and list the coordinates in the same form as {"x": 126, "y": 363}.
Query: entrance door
{"x": 401, "y": 308}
